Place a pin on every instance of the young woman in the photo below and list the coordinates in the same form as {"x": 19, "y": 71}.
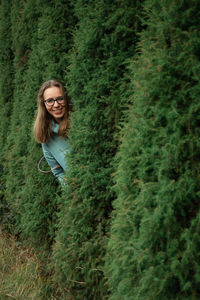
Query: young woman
{"x": 52, "y": 123}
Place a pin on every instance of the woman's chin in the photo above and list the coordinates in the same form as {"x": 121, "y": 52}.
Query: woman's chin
{"x": 58, "y": 117}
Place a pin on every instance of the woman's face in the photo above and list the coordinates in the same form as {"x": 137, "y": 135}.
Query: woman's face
{"x": 57, "y": 110}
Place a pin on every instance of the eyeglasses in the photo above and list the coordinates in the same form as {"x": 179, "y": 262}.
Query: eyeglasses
{"x": 51, "y": 101}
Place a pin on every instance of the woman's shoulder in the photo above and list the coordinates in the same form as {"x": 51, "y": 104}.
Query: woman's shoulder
{"x": 44, "y": 146}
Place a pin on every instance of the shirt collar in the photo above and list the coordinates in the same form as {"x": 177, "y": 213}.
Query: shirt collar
{"x": 54, "y": 126}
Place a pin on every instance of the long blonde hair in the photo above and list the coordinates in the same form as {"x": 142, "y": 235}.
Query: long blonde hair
{"x": 42, "y": 125}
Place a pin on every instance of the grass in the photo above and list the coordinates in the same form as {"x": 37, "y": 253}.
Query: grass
{"x": 20, "y": 278}
{"x": 23, "y": 275}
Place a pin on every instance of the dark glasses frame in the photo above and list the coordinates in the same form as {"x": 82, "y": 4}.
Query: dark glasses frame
{"x": 51, "y": 101}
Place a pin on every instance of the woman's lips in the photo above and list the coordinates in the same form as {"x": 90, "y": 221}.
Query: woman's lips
{"x": 57, "y": 111}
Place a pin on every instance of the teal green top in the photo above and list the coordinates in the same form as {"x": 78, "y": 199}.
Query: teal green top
{"x": 55, "y": 152}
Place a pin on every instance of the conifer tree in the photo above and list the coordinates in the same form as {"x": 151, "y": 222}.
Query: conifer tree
{"x": 23, "y": 24}
{"x": 6, "y": 61}
{"x": 103, "y": 42}
{"x": 48, "y": 60}
{"x": 153, "y": 249}
{"x": 6, "y": 90}
{"x": 33, "y": 196}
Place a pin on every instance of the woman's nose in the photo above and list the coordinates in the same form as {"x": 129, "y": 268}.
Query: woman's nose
{"x": 56, "y": 104}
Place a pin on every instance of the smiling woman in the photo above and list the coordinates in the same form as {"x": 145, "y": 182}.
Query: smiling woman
{"x": 52, "y": 123}
{"x": 55, "y": 103}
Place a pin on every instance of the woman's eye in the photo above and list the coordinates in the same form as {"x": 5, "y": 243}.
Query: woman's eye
{"x": 50, "y": 101}
{"x": 59, "y": 98}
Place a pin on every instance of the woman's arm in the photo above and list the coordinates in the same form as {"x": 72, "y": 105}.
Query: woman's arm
{"x": 52, "y": 162}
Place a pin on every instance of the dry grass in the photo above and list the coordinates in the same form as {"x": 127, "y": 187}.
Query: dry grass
{"x": 19, "y": 271}
{"x": 22, "y": 275}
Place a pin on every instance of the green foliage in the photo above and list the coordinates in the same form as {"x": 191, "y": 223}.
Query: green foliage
{"x": 6, "y": 85}
{"x": 153, "y": 245}
{"x": 47, "y": 60}
{"x": 6, "y": 90}
{"x": 54, "y": 38}
{"x": 104, "y": 41}
{"x": 41, "y": 36}
{"x": 16, "y": 143}
{"x": 151, "y": 248}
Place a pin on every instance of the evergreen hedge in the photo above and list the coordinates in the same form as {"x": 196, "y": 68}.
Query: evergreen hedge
{"x": 148, "y": 247}
{"x": 104, "y": 41}
{"x": 40, "y": 34}
{"x": 153, "y": 249}
{"x": 23, "y": 24}
{"x": 39, "y": 200}
{"x": 6, "y": 91}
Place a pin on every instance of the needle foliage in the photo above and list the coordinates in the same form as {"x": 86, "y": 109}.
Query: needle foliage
{"x": 40, "y": 34}
{"x": 127, "y": 223}
{"x": 6, "y": 91}
{"x": 104, "y": 41}
{"x": 153, "y": 249}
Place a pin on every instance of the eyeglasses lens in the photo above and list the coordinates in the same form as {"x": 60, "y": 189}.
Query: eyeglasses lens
{"x": 51, "y": 101}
